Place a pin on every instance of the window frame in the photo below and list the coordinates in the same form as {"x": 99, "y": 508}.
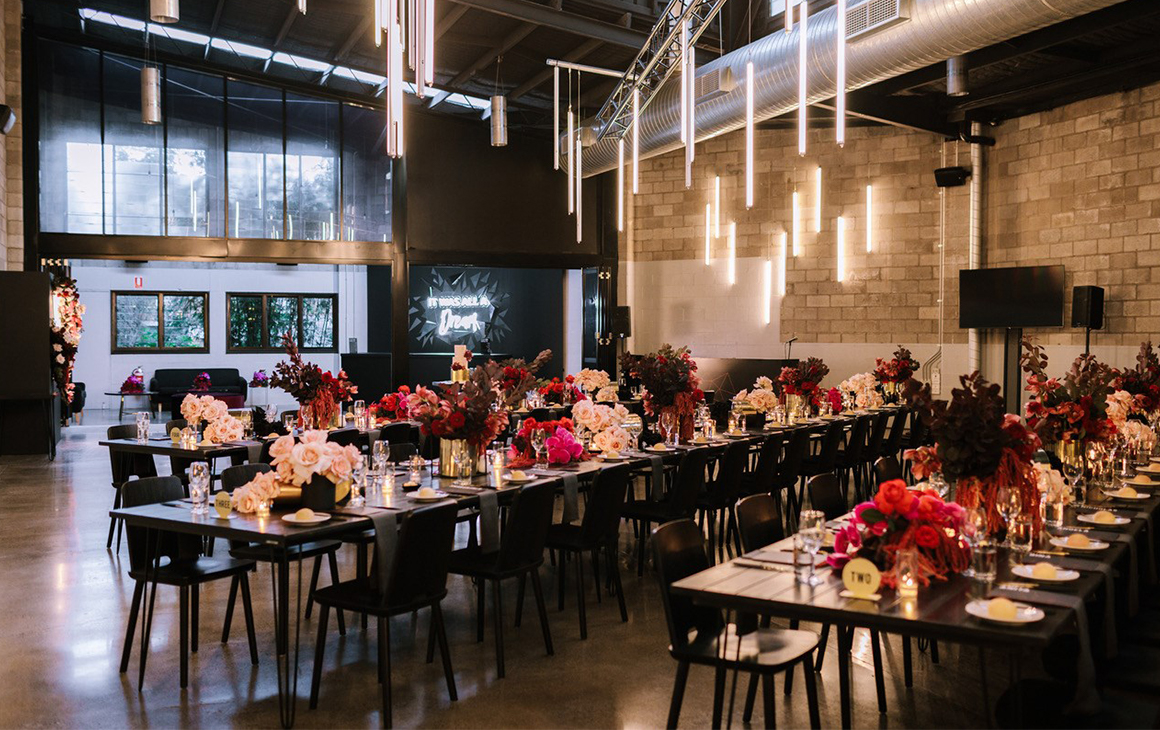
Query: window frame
{"x": 160, "y": 348}
{"x": 267, "y": 346}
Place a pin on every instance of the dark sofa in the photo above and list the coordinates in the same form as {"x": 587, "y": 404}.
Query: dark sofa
{"x": 169, "y": 382}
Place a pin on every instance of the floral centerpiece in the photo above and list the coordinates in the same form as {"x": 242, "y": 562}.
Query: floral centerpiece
{"x": 318, "y": 392}
{"x": 560, "y": 441}
{"x": 514, "y": 378}
{"x": 834, "y": 396}
{"x": 608, "y": 394}
{"x": 590, "y": 381}
{"x": 901, "y": 519}
{"x": 559, "y": 392}
{"x": 596, "y": 419}
{"x": 762, "y": 398}
{"x": 1074, "y": 409}
{"x": 393, "y": 406}
{"x": 260, "y": 379}
{"x": 224, "y": 430}
{"x": 135, "y": 383}
{"x": 201, "y": 382}
{"x": 317, "y": 466}
{"x": 978, "y": 445}
{"x": 864, "y": 388}
{"x": 220, "y": 426}
{"x": 466, "y": 418}
{"x": 800, "y": 382}
{"x": 669, "y": 378}
{"x": 1141, "y": 383}
{"x": 897, "y": 369}
{"x": 65, "y": 334}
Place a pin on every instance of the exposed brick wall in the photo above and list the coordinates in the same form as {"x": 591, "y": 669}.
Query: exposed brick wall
{"x": 11, "y": 151}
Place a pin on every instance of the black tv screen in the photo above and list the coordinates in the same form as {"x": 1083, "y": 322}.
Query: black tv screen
{"x": 1020, "y": 296}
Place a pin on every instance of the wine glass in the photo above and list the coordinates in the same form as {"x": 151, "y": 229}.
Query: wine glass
{"x": 358, "y": 484}
{"x": 974, "y": 531}
{"x": 463, "y": 468}
{"x": 380, "y": 452}
{"x": 633, "y": 426}
{"x": 288, "y": 422}
{"x": 199, "y": 487}
{"x": 1072, "y": 460}
{"x": 669, "y": 425}
{"x": 1008, "y": 502}
{"x": 811, "y": 532}
{"x": 539, "y": 443}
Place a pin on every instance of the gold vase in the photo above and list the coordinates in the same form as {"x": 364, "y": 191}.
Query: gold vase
{"x": 450, "y": 448}
{"x": 794, "y": 403}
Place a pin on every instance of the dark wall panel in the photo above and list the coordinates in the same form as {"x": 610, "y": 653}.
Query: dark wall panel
{"x": 25, "y": 369}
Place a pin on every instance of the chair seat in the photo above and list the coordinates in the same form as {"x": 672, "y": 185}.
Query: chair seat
{"x": 194, "y": 572}
{"x": 474, "y": 562}
{"x": 761, "y": 650}
{"x": 304, "y": 551}
{"x": 812, "y": 465}
{"x": 714, "y": 498}
{"x": 360, "y": 596}
{"x": 568, "y": 537}
{"x": 646, "y": 509}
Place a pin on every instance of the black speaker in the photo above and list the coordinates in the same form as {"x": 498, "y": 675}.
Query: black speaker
{"x": 7, "y": 119}
{"x": 1087, "y": 307}
{"x": 951, "y": 177}
{"x": 622, "y": 321}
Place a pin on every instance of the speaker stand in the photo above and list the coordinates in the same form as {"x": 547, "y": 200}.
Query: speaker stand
{"x": 1012, "y": 381}
{"x": 1087, "y": 340}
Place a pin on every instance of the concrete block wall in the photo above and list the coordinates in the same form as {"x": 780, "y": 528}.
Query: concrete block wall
{"x": 11, "y": 150}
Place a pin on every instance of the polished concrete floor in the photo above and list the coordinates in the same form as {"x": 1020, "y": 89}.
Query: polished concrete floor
{"x": 64, "y": 602}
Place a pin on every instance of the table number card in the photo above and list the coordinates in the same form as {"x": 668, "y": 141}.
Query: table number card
{"x": 223, "y": 504}
{"x": 861, "y": 578}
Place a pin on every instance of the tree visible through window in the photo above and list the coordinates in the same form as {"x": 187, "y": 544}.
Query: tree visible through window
{"x": 160, "y": 321}
{"x": 256, "y": 322}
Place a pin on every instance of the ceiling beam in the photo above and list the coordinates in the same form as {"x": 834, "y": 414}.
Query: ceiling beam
{"x": 217, "y": 16}
{"x": 579, "y": 53}
{"x": 286, "y": 25}
{"x": 548, "y": 17}
{"x": 355, "y": 36}
{"x": 449, "y": 19}
{"x": 521, "y": 31}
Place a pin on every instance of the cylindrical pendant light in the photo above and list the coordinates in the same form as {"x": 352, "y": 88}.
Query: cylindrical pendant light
{"x": 164, "y": 11}
{"x": 499, "y": 121}
{"x": 150, "y": 95}
{"x": 957, "y": 76}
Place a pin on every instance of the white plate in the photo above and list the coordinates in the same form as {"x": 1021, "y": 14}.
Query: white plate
{"x": 1024, "y": 614}
{"x": 317, "y": 518}
{"x": 737, "y": 435}
{"x": 602, "y": 457}
{"x": 1149, "y": 468}
{"x": 1154, "y": 459}
{"x": 438, "y": 497}
{"x": 1140, "y": 496}
{"x": 1061, "y": 575}
{"x": 1091, "y": 520}
{"x": 1096, "y": 545}
{"x": 230, "y": 516}
{"x": 655, "y": 450}
{"x": 509, "y": 478}
{"x": 1140, "y": 480}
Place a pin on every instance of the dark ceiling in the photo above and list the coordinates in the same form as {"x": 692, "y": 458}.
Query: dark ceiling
{"x": 483, "y": 45}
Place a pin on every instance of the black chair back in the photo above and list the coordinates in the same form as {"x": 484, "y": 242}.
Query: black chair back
{"x": 526, "y": 529}
{"x": 236, "y": 476}
{"x": 542, "y": 414}
{"x": 125, "y": 465}
{"x": 344, "y": 436}
{"x": 897, "y": 431}
{"x": 887, "y": 468}
{"x": 856, "y": 445}
{"x": 688, "y": 483}
{"x": 402, "y": 452}
{"x": 178, "y": 423}
{"x": 918, "y": 431}
{"x": 678, "y": 552}
{"x": 828, "y": 453}
{"x": 730, "y": 470}
{"x": 422, "y": 556}
{"x": 877, "y": 436}
{"x": 759, "y": 522}
{"x": 264, "y": 456}
{"x": 398, "y": 433}
{"x": 765, "y": 472}
{"x": 826, "y": 495}
{"x": 142, "y": 549}
{"x": 795, "y": 453}
{"x": 602, "y": 514}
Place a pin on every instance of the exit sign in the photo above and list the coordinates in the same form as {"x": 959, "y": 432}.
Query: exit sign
{"x": 138, "y": 282}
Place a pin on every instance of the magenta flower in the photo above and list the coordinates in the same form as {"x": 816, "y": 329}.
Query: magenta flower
{"x": 563, "y": 447}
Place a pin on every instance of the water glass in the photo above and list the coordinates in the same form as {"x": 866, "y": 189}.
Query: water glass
{"x": 380, "y": 453}
{"x": 539, "y": 443}
{"x": 985, "y": 561}
{"x": 463, "y": 467}
{"x": 416, "y": 469}
{"x": 1021, "y": 534}
{"x": 359, "y": 408}
{"x": 358, "y": 485}
{"x": 199, "y": 487}
{"x": 142, "y": 426}
{"x": 289, "y": 421}
{"x": 811, "y": 532}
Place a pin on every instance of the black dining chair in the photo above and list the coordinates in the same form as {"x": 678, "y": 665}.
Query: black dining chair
{"x": 416, "y": 579}
{"x": 887, "y": 468}
{"x": 716, "y": 501}
{"x": 124, "y": 466}
{"x": 679, "y": 503}
{"x": 873, "y": 451}
{"x": 597, "y": 533}
{"x": 826, "y": 459}
{"x": 850, "y": 456}
{"x": 344, "y": 436}
{"x": 236, "y": 476}
{"x": 521, "y": 553}
{"x": 826, "y": 495}
{"x": 398, "y": 433}
{"x": 696, "y": 633}
{"x": 761, "y": 480}
{"x": 789, "y": 471}
{"x": 893, "y": 444}
{"x": 180, "y": 563}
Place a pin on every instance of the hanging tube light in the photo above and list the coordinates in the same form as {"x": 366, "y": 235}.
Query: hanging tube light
{"x": 708, "y": 233}
{"x": 767, "y": 291}
{"x": 620, "y": 184}
{"x": 169, "y": 11}
{"x": 818, "y": 198}
{"x": 579, "y": 188}
{"x": 150, "y": 95}
{"x": 379, "y": 24}
{"x": 555, "y": 117}
{"x": 394, "y": 80}
{"x": 571, "y": 164}
{"x": 788, "y": 14}
{"x": 302, "y": 6}
{"x": 499, "y": 121}
{"x": 688, "y": 79}
{"x": 802, "y": 74}
{"x": 840, "y": 102}
{"x": 716, "y": 206}
{"x": 869, "y": 218}
{"x": 781, "y": 269}
{"x": 635, "y": 141}
{"x": 749, "y": 141}
{"x": 732, "y": 273}
{"x": 797, "y": 225}
{"x": 841, "y": 248}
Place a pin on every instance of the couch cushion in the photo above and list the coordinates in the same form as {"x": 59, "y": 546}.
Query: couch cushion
{"x": 174, "y": 379}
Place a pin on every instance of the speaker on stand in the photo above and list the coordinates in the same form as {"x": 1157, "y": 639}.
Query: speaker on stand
{"x": 1087, "y": 311}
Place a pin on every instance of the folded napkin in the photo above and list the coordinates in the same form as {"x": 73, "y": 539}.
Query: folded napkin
{"x": 253, "y": 452}
{"x": 1147, "y": 517}
{"x": 386, "y": 538}
{"x": 1105, "y": 570}
{"x": 658, "y": 477}
{"x": 1133, "y": 569}
{"x": 488, "y": 521}
{"x": 571, "y": 498}
{"x": 1086, "y": 700}
{"x": 782, "y": 557}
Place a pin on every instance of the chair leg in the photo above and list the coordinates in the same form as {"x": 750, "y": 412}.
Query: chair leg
{"x": 385, "y": 664}
{"x": 184, "y": 635}
{"x": 248, "y": 612}
{"x": 444, "y": 650}
{"x": 821, "y": 652}
{"x": 520, "y": 591}
{"x": 580, "y": 596}
{"x": 596, "y": 572}
{"x": 538, "y": 590}
{"x": 718, "y": 696}
{"x": 768, "y": 696}
{"x": 431, "y": 639}
{"x": 332, "y": 558}
{"x": 230, "y": 609}
{"x": 362, "y": 565}
{"x": 319, "y": 651}
{"x": 497, "y": 619}
{"x": 614, "y": 568}
{"x": 750, "y": 698}
{"x": 134, "y": 610}
{"x": 879, "y": 679}
{"x": 561, "y": 570}
{"x": 907, "y": 663}
{"x": 313, "y": 585}
{"x": 113, "y": 520}
{"x": 678, "y": 694}
{"x": 194, "y": 613}
{"x": 641, "y": 542}
{"x": 933, "y": 651}
{"x": 479, "y": 596}
{"x": 145, "y": 640}
{"x": 812, "y": 693}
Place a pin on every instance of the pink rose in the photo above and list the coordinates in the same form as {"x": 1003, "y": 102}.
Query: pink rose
{"x": 245, "y": 500}
{"x": 340, "y": 469}
{"x": 314, "y": 437}
{"x": 353, "y": 455}
{"x": 285, "y": 472}
{"x": 281, "y": 448}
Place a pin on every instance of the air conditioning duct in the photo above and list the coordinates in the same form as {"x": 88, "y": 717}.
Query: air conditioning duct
{"x": 935, "y": 31}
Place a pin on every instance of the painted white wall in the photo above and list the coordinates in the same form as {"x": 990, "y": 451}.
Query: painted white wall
{"x": 573, "y": 320}
{"x": 102, "y": 371}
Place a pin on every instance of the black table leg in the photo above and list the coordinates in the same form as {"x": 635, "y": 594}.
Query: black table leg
{"x": 983, "y": 681}
{"x": 845, "y": 637}
{"x": 287, "y": 667}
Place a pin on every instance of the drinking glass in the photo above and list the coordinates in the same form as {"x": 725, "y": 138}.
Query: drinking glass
{"x": 1021, "y": 534}
{"x": 142, "y": 426}
{"x": 199, "y": 487}
{"x": 463, "y": 468}
{"x": 633, "y": 427}
{"x": 1073, "y": 469}
{"x": 358, "y": 485}
{"x": 539, "y": 443}
{"x": 1008, "y": 502}
{"x": 416, "y": 468}
{"x": 974, "y": 531}
{"x": 811, "y": 532}
{"x": 359, "y": 408}
{"x": 288, "y": 421}
{"x": 247, "y": 419}
{"x": 669, "y": 424}
{"x": 380, "y": 452}
{"x": 985, "y": 561}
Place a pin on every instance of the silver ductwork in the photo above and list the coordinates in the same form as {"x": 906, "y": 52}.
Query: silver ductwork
{"x": 936, "y": 31}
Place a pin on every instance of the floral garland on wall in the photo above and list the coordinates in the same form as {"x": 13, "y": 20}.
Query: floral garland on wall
{"x": 65, "y": 332}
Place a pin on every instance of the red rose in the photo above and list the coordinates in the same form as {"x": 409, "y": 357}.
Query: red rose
{"x": 438, "y": 429}
{"x": 455, "y": 420}
{"x": 926, "y": 536}
{"x": 894, "y": 492}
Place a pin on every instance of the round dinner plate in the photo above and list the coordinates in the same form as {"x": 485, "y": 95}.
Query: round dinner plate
{"x": 1149, "y": 468}
{"x": 1024, "y": 614}
{"x": 1091, "y": 520}
{"x": 1061, "y": 575}
{"x": 602, "y": 457}
{"x": 513, "y": 480}
{"x": 317, "y": 518}
{"x": 1095, "y": 546}
{"x": 230, "y": 516}
{"x": 729, "y": 435}
{"x": 655, "y": 450}
{"x": 1140, "y": 480}
{"x": 437, "y": 497}
{"x": 1140, "y": 496}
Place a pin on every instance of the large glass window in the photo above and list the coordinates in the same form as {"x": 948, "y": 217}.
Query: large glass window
{"x": 311, "y": 168}
{"x": 366, "y": 175}
{"x": 195, "y": 153}
{"x": 160, "y": 321}
{"x": 254, "y": 161}
{"x": 256, "y": 322}
{"x": 132, "y": 154}
{"x": 70, "y": 139}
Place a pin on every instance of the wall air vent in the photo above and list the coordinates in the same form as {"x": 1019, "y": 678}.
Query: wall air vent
{"x": 712, "y": 84}
{"x": 873, "y": 15}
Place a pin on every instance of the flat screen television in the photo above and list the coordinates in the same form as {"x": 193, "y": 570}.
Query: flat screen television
{"x": 1020, "y": 296}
